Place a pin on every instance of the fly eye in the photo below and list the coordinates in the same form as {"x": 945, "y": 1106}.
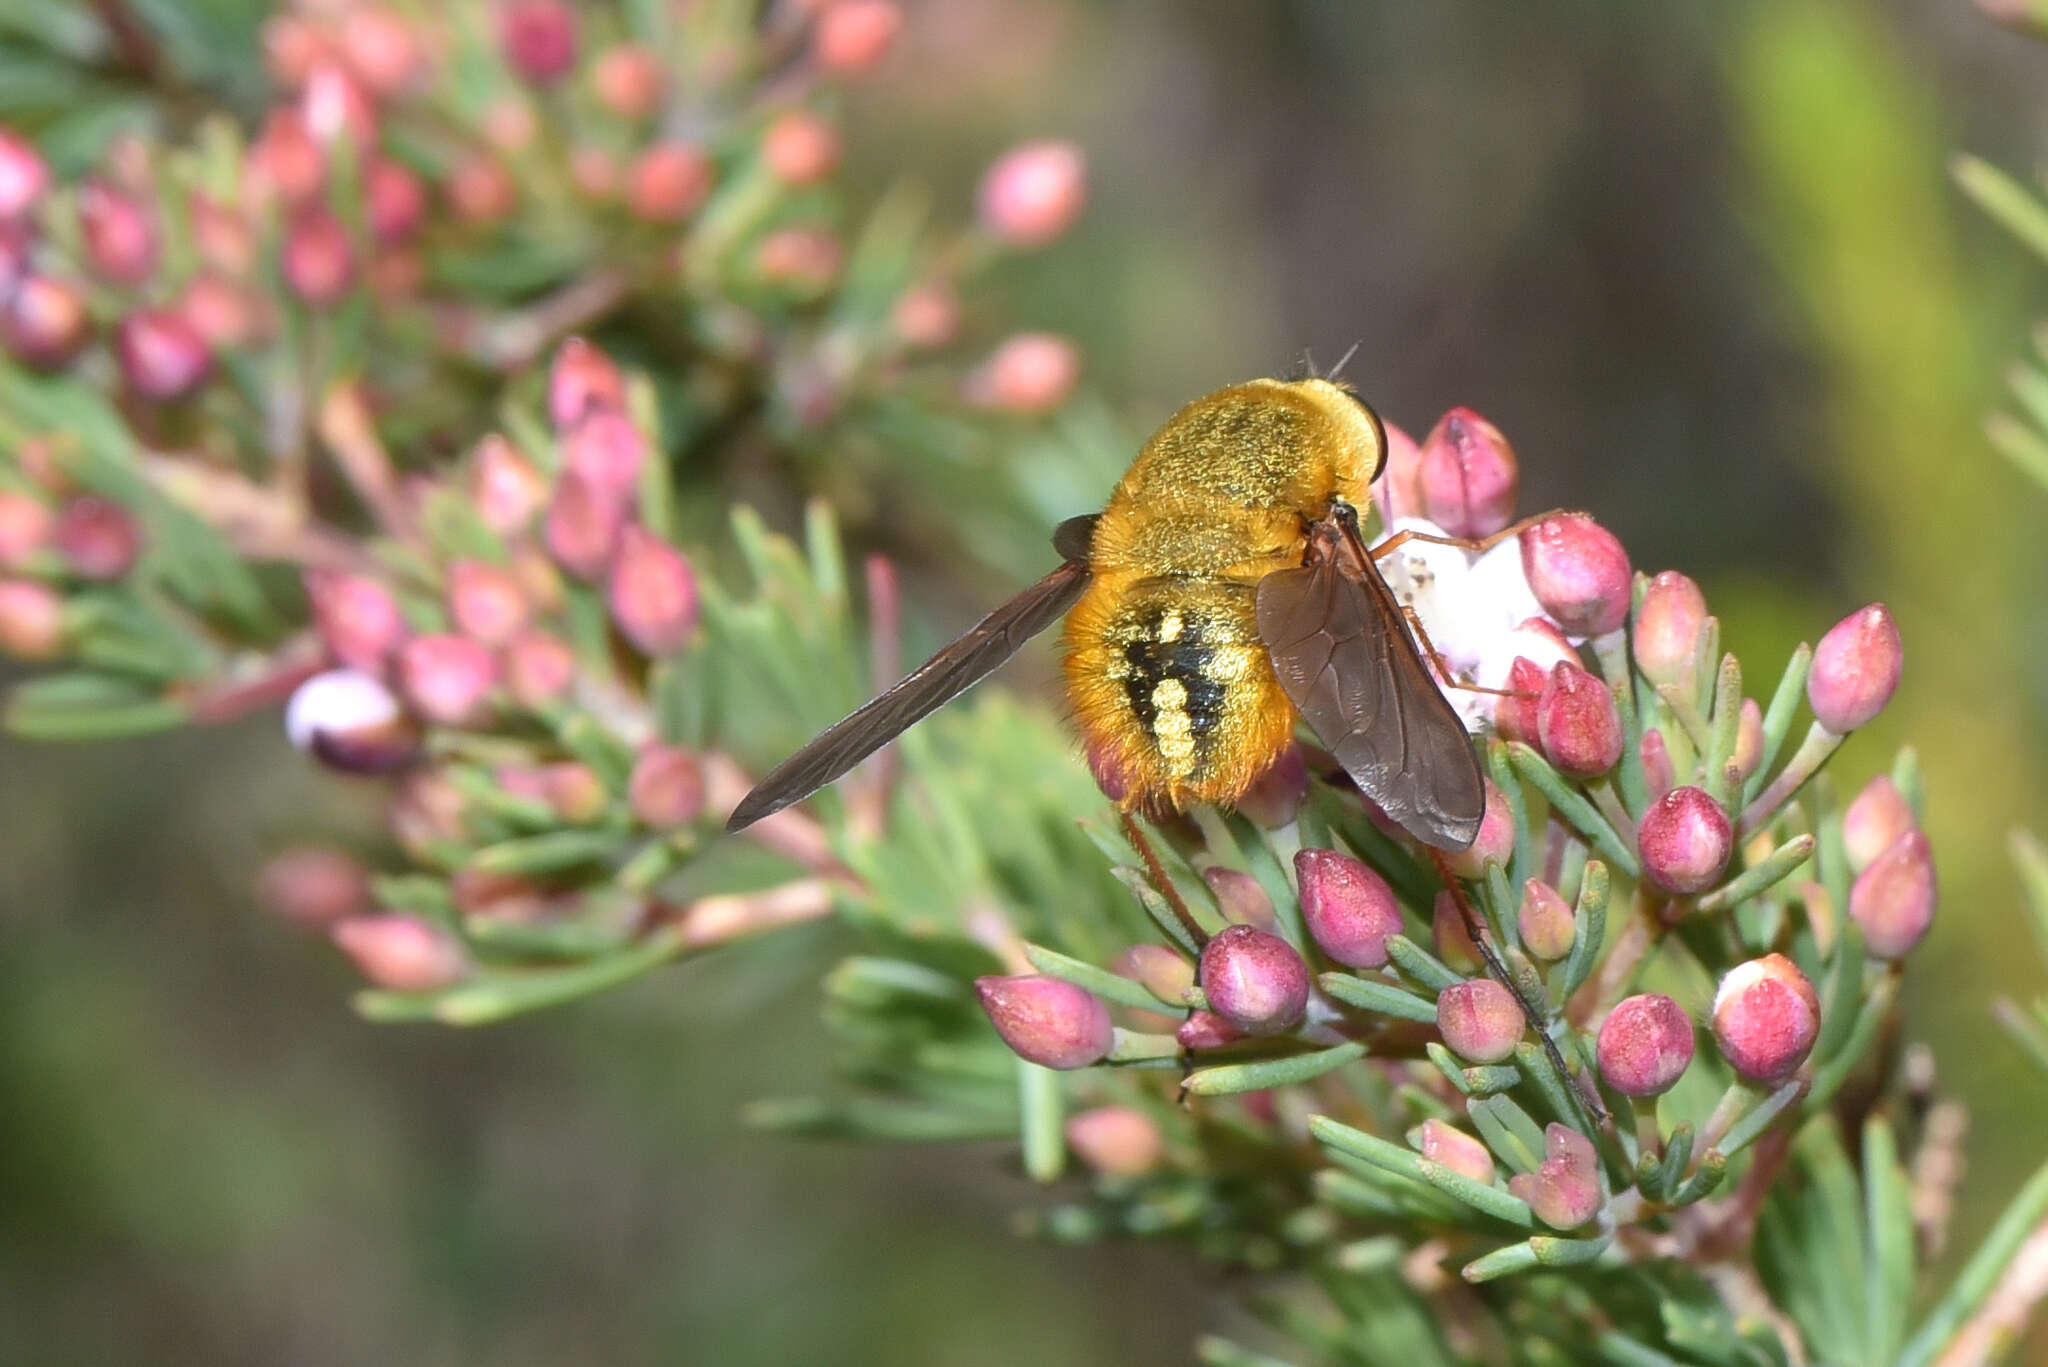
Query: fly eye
{"x": 1379, "y": 437}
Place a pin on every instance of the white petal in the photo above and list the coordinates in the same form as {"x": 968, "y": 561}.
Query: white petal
{"x": 337, "y": 702}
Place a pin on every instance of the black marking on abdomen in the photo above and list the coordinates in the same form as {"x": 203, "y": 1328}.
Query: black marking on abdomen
{"x": 1186, "y": 658}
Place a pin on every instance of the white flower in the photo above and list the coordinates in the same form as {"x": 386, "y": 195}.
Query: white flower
{"x": 339, "y": 702}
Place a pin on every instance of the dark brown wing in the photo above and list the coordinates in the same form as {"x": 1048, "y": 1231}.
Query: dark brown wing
{"x": 945, "y": 676}
{"x": 1344, "y": 658}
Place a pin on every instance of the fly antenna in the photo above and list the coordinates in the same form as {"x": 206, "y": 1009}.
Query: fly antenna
{"x": 1343, "y": 361}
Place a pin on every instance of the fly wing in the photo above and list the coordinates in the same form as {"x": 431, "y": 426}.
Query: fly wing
{"x": 945, "y": 676}
{"x": 1344, "y": 658}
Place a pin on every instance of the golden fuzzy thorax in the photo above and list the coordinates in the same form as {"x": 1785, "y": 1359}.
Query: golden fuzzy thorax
{"x": 1171, "y": 686}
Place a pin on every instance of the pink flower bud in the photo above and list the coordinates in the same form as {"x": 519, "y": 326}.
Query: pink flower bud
{"x": 1117, "y": 1141}
{"x": 401, "y": 953}
{"x": 1670, "y": 626}
{"x": 349, "y": 721}
{"x": 574, "y": 791}
{"x": 428, "y": 811}
{"x": 380, "y": 50}
{"x": 1398, "y": 489}
{"x": 1685, "y": 840}
{"x": 1578, "y": 572}
{"x": 287, "y": 163}
{"x": 1749, "y": 739}
{"x": 1479, "y": 1020}
{"x": 1449, "y": 1146}
{"x": 505, "y": 489}
{"x": 25, "y": 528}
{"x": 486, "y": 602}
{"x": 583, "y": 381}
{"x": 1033, "y": 193}
{"x": 118, "y": 234}
{"x": 1162, "y": 971}
{"x": 1206, "y": 1030}
{"x": 1659, "y": 777}
{"x": 162, "y": 356}
{"x": 97, "y": 537}
{"x": 629, "y": 80}
{"x": 223, "y": 236}
{"x": 653, "y": 593}
{"x": 583, "y": 526}
{"x": 292, "y": 47}
{"x": 1645, "y": 1045}
{"x": 24, "y": 176}
{"x": 1766, "y": 1017}
{"x": 800, "y": 148}
{"x": 1893, "y": 900}
{"x": 357, "y": 618}
{"x": 1349, "y": 910}
{"x": 1874, "y": 819}
{"x": 1495, "y": 842}
{"x": 1047, "y": 1021}
{"x": 395, "y": 200}
{"x": 312, "y": 886}
{"x": 1467, "y": 475}
{"x": 1030, "y": 374}
{"x": 481, "y": 190}
{"x": 31, "y": 619}
{"x": 1578, "y": 724}
{"x": 1521, "y": 717}
{"x": 1855, "y": 669}
{"x": 334, "y": 107}
{"x": 538, "y": 668}
{"x": 1564, "y": 1191}
{"x": 1254, "y": 980}
{"x": 595, "y": 171}
{"x": 1545, "y": 921}
{"x": 223, "y": 314}
{"x": 446, "y": 678}
{"x": 43, "y": 322}
{"x": 1240, "y": 897}
{"x": 927, "y": 316}
{"x": 667, "y": 787}
{"x": 1448, "y": 934}
{"x": 803, "y": 259}
{"x": 538, "y": 38}
{"x": 319, "y": 258}
{"x": 854, "y": 35}
{"x": 667, "y": 182}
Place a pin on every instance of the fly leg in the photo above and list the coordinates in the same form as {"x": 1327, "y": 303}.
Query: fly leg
{"x": 1443, "y": 666}
{"x": 1483, "y": 543}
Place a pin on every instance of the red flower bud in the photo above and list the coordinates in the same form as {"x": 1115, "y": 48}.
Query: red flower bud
{"x": 629, "y": 80}
{"x": 854, "y": 35}
{"x": 583, "y": 526}
{"x": 395, "y": 200}
{"x": 162, "y": 356}
{"x": 287, "y": 163}
{"x": 1893, "y": 900}
{"x": 118, "y": 234}
{"x": 24, "y": 176}
{"x": 481, "y": 190}
{"x": 1685, "y": 840}
{"x": 357, "y": 618}
{"x": 800, "y": 148}
{"x": 349, "y": 721}
{"x": 98, "y": 537}
{"x": 25, "y": 528}
{"x": 1349, "y": 910}
{"x": 1449, "y": 1146}
{"x": 1564, "y": 1191}
{"x": 1240, "y": 897}
{"x": 1254, "y": 980}
{"x": 1578, "y": 724}
{"x": 223, "y": 314}
{"x": 1479, "y": 1020}
{"x": 667, "y": 787}
{"x": 319, "y": 258}
{"x": 43, "y": 322}
{"x": 1162, "y": 971}
{"x": 1855, "y": 669}
{"x": 1645, "y": 1045}
{"x": 1520, "y": 717}
{"x": 486, "y": 602}
{"x": 538, "y": 38}
{"x": 539, "y": 668}
{"x": 1545, "y": 921}
{"x": 1670, "y": 626}
{"x": 312, "y": 886}
{"x": 1033, "y": 193}
{"x": 380, "y": 49}
{"x": 1047, "y": 1021}
{"x": 1766, "y": 1017}
{"x": 1578, "y": 572}
{"x": 1206, "y": 1030}
{"x": 927, "y": 316}
{"x": 401, "y": 953}
{"x": 446, "y": 678}
{"x": 667, "y": 182}
{"x": 1659, "y": 777}
{"x": 1467, "y": 475}
{"x": 583, "y": 380}
{"x": 1495, "y": 842}
{"x": 1117, "y": 1141}
{"x": 653, "y": 593}
{"x": 1448, "y": 933}
{"x": 803, "y": 259}
{"x": 31, "y": 619}
{"x": 1030, "y": 374}
{"x": 1874, "y": 819}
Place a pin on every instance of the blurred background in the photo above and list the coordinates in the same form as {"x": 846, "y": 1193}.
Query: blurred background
{"x": 1702, "y": 264}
